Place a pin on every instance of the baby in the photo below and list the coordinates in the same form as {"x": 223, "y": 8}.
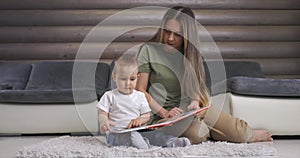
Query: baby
{"x": 125, "y": 107}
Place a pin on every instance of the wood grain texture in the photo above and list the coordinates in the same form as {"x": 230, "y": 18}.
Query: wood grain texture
{"x": 264, "y": 31}
{"x": 144, "y": 17}
{"x": 100, "y": 4}
{"x": 142, "y": 34}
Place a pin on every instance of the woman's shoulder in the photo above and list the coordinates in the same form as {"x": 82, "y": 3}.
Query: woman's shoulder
{"x": 150, "y": 49}
{"x": 151, "y": 46}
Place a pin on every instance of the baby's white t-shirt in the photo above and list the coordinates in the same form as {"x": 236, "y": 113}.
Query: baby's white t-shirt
{"x": 122, "y": 108}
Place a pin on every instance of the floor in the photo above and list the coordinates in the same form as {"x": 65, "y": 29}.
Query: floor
{"x": 286, "y": 148}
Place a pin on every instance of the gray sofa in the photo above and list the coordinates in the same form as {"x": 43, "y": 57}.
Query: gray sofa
{"x": 39, "y": 97}
{"x": 61, "y": 97}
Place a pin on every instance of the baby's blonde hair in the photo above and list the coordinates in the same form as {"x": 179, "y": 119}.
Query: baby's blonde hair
{"x": 125, "y": 60}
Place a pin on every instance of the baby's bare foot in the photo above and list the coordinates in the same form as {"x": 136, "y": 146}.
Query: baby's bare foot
{"x": 261, "y": 136}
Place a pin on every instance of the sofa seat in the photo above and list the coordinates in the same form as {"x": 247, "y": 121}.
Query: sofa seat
{"x": 266, "y": 103}
{"x": 50, "y": 98}
{"x": 41, "y": 118}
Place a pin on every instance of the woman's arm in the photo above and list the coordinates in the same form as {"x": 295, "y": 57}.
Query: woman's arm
{"x": 142, "y": 84}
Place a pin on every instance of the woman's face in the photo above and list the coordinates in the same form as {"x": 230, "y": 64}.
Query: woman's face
{"x": 172, "y": 35}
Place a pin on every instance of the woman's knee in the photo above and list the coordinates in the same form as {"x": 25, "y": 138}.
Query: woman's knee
{"x": 197, "y": 132}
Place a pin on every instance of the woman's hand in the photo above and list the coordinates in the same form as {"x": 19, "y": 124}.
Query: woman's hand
{"x": 193, "y": 106}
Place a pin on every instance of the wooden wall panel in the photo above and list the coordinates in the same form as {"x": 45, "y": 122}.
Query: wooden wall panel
{"x": 79, "y": 33}
{"x": 63, "y": 51}
{"x": 148, "y": 17}
{"x": 258, "y": 49}
{"x": 101, "y": 4}
{"x": 264, "y": 31}
{"x": 228, "y": 50}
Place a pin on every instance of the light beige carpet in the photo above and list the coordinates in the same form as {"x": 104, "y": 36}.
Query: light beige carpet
{"x": 88, "y": 146}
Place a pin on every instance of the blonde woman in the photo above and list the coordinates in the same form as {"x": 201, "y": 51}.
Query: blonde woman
{"x": 172, "y": 76}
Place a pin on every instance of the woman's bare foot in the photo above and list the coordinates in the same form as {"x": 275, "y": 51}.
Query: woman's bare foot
{"x": 261, "y": 136}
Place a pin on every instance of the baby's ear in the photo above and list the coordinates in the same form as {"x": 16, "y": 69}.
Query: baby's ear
{"x": 113, "y": 75}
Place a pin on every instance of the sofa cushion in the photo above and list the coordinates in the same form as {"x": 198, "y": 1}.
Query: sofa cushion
{"x": 58, "y": 75}
{"x": 51, "y": 82}
{"x": 4, "y": 86}
{"x": 219, "y": 83}
{"x": 14, "y": 75}
{"x": 47, "y": 96}
{"x": 54, "y": 75}
{"x": 265, "y": 86}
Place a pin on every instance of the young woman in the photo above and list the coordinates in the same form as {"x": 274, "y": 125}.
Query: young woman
{"x": 172, "y": 77}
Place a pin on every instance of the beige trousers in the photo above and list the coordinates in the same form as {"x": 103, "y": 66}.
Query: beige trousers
{"x": 219, "y": 126}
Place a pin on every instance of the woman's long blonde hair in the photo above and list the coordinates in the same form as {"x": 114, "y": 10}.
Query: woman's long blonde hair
{"x": 194, "y": 78}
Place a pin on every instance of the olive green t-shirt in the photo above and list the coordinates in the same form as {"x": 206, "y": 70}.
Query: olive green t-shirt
{"x": 166, "y": 71}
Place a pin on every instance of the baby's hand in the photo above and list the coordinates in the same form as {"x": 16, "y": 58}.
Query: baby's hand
{"x": 105, "y": 127}
{"x": 136, "y": 122}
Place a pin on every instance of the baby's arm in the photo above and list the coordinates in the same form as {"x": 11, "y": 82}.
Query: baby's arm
{"x": 140, "y": 120}
{"x": 104, "y": 122}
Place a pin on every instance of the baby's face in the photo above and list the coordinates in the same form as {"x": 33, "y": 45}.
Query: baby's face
{"x": 126, "y": 78}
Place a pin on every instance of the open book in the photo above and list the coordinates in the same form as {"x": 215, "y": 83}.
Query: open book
{"x": 169, "y": 122}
